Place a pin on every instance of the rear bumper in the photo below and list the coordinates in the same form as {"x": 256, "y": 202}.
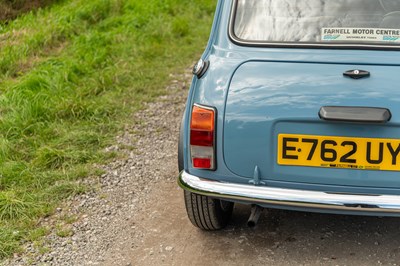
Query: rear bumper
{"x": 293, "y": 198}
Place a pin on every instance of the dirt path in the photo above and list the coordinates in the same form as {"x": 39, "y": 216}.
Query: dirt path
{"x": 137, "y": 217}
{"x": 281, "y": 238}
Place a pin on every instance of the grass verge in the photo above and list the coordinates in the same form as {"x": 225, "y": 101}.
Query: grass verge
{"x": 10, "y": 9}
{"x": 70, "y": 76}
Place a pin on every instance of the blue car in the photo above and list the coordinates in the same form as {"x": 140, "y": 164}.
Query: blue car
{"x": 295, "y": 104}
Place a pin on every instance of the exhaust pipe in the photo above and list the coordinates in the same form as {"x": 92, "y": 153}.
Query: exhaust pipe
{"x": 254, "y": 215}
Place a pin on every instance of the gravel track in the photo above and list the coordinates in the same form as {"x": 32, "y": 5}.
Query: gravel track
{"x": 135, "y": 215}
{"x": 107, "y": 216}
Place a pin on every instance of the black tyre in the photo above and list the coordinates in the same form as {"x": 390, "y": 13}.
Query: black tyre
{"x": 207, "y": 213}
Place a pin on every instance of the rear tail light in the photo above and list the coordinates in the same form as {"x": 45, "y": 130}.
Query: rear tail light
{"x": 202, "y": 137}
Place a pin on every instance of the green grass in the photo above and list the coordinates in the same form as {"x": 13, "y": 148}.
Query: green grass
{"x": 71, "y": 76}
{"x": 10, "y": 9}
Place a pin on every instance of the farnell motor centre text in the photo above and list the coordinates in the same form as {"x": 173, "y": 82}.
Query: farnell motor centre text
{"x": 362, "y": 31}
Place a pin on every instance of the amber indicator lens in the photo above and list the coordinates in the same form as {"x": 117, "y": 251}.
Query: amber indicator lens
{"x": 202, "y": 119}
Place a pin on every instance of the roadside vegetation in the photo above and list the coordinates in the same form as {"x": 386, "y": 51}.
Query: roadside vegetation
{"x": 71, "y": 75}
{"x": 10, "y": 9}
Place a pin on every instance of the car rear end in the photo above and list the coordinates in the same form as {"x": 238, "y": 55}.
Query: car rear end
{"x": 300, "y": 105}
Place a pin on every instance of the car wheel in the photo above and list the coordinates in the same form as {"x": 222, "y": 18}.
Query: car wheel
{"x": 207, "y": 213}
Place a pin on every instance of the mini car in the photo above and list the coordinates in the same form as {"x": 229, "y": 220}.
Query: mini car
{"x": 294, "y": 105}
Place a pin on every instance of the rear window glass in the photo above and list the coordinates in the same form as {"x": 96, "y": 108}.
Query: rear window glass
{"x": 318, "y": 21}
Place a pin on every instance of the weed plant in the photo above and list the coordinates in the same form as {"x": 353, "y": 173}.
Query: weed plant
{"x": 71, "y": 76}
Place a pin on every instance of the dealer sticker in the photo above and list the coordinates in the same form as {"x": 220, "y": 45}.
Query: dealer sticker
{"x": 360, "y": 34}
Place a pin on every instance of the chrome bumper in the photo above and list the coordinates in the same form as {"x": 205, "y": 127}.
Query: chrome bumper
{"x": 292, "y": 198}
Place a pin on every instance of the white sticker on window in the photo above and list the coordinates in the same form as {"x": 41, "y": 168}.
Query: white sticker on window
{"x": 360, "y": 34}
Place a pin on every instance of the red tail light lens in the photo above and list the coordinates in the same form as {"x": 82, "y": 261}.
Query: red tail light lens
{"x": 201, "y": 138}
{"x": 202, "y": 135}
{"x": 202, "y": 163}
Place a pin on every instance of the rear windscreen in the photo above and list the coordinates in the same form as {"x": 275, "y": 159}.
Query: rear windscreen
{"x": 318, "y": 21}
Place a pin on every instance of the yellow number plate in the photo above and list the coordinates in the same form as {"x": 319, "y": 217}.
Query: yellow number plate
{"x": 339, "y": 152}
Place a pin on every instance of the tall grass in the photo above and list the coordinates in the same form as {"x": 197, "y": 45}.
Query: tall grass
{"x": 9, "y": 9}
{"x": 70, "y": 77}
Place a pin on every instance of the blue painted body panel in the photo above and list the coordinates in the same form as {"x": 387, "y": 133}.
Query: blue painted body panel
{"x": 268, "y": 98}
{"x": 260, "y": 92}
